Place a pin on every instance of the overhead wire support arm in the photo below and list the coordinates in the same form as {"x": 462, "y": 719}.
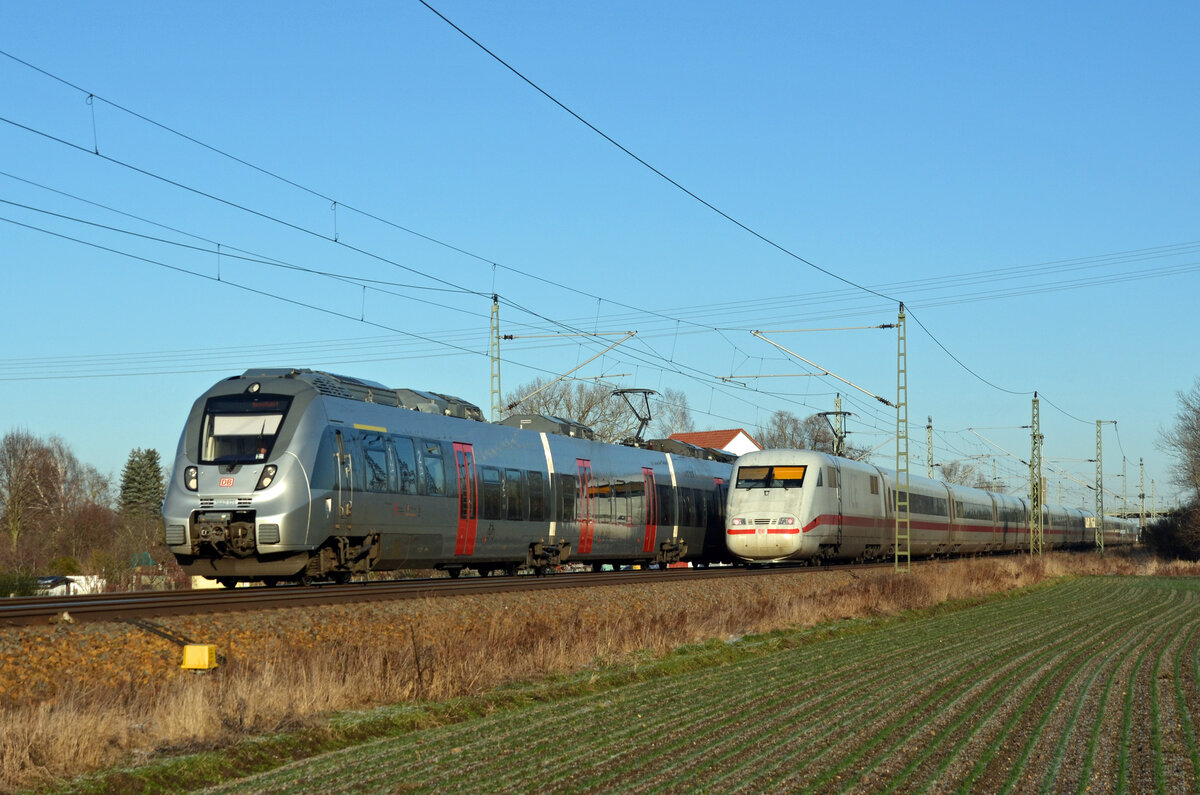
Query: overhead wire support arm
{"x": 566, "y": 334}
{"x": 1012, "y": 455}
{"x": 772, "y": 375}
{"x": 868, "y": 393}
{"x": 843, "y": 328}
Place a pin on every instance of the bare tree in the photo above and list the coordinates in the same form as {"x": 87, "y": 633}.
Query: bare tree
{"x": 51, "y": 505}
{"x": 783, "y": 430}
{"x": 959, "y": 472}
{"x": 672, "y": 414}
{"x": 591, "y": 404}
{"x": 786, "y": 430}
{"x": 20, "y": 456}
{"x": 1183, "y": 442}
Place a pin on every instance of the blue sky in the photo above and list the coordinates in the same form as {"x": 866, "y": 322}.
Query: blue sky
{"x": 1023, "y": 176}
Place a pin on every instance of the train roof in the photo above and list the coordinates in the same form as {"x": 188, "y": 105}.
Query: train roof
{"x": 676, "y": 447}
{"x": 544, "y": 424}
{"x": 371, "y": 392}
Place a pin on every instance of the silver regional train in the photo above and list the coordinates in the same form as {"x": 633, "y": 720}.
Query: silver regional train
{"x": 296, "y": 475}
{"x": 800, "y": 505}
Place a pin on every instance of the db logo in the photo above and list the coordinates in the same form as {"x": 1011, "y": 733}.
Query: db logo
{"x": 225, "y": 483}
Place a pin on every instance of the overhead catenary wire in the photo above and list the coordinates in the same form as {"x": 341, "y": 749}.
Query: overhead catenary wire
{"x": 334, "y": 202}
{"x": 665, "y": 317}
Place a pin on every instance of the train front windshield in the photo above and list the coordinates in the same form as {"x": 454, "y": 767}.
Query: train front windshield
{"x": 241, "y": 429}
{"x": 771, "y": 477}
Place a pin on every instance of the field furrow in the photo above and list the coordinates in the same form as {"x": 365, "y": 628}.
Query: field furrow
{"x": 1006, "y": 768}
{"x": 1186, "y": 706}
{"x": 983, "y": 746}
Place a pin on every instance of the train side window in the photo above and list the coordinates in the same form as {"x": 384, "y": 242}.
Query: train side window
{"x": 407, "y": 464}
{"x": 568, "y": 488}
{"x": 621, "y": 491}
{"x": 432, "y": 468}
{"x": 514, "y": 493}
{"x": 493, "y": 493}
{"x": 832, "y": 479}
{"x": 601, "y": 497}
{"x": 537, "y": 496}
{"x": 874, "y": 484}
{"x": 974, "y": 510}
{"x": 924, "y": 503}
{"x": 666, "y": 505}
{"x": 376, "y": 459}
{"x": 687, "y": 507}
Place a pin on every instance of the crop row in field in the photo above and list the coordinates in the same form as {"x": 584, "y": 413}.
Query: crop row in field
{"x": 1088, "y": 685}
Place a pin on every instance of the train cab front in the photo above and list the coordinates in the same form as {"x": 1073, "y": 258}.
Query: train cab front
{"x": 236, "y": 500}
{"x": 763, "y": 518}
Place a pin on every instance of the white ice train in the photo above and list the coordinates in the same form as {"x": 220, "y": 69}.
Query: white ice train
{"x": 800, "y": 505}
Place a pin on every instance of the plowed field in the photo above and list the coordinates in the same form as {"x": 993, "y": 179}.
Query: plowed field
{"x": 1090, "y": 685}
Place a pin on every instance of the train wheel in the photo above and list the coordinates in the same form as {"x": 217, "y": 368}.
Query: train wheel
{"x": 597, "y": 567}
{"x": 485, "y": 572}
{"x": 454, "y": 573}
{"x": 512, "y": 570}
{"x": 270, "y": 582}
{"x": 340, "y": 577}
{"x": 228, "y": 582}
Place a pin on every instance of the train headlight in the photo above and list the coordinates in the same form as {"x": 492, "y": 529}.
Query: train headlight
{"x": 267, "y": 477}
{"x": 738, "y": 521}
{"x": 191, "y": 478}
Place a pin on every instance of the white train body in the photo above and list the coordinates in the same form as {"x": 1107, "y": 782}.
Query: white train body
{"x": 798, "y": 505}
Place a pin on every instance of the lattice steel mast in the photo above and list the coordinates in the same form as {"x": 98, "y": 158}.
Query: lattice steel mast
{"x": 903, "y": 534}
{"x": 1141, "y": 495}
{"x": 1100, "y": 485}
{"x": 495, "y": 355}
{"x": 1035, "y": 481}
{"x": 929, "y": 448}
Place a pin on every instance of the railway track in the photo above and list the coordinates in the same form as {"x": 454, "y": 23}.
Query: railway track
{"x": 22, "y": 611}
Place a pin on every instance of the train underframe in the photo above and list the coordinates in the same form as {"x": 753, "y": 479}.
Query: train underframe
{"x": 228, "y": 554}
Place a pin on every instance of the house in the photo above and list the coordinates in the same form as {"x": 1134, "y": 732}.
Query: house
{"x": 735, "y": 441}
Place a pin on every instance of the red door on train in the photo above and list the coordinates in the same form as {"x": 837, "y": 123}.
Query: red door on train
{"x": 587, "y": 506}
{"x": 468, "y": 499}
{"x": 651, "y": 502}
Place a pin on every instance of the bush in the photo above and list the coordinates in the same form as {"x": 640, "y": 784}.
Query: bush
{"x": 17, "y": 584}
{"x": 1176, "y": 535}
{"x": 66, "y": 566}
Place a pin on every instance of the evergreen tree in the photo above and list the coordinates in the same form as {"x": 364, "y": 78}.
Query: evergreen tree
{"x": 142, "y": 486}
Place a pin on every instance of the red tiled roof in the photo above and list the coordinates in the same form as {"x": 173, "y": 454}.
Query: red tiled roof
{"x": 714, "y": 439}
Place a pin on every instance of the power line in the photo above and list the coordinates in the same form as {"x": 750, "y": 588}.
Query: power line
{"x": 458, "y": 288}
{"x": 668, "y": 179}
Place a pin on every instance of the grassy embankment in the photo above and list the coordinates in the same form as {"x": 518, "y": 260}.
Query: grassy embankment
{"x": 289, "y": 670}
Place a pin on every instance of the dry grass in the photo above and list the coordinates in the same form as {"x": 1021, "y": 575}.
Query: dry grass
{"x": 287, "y": 668}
